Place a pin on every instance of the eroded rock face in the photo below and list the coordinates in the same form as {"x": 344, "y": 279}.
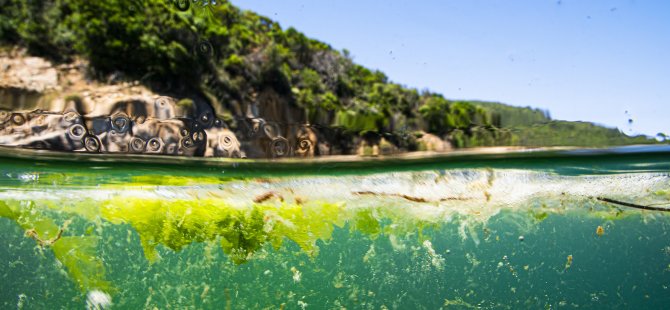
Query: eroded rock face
{"x": 28, "y": 73}
{"x": 57, "y": 108}
{"x": 119, "y": 133}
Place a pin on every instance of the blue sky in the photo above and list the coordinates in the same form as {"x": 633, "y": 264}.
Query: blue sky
{"x": 600, "y": 61}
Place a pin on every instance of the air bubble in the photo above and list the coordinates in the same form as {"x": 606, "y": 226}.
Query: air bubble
{"x": 205, "y": 119}
{"x": 198, "y": 136}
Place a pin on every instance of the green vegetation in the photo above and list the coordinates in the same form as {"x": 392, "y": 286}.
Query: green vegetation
{"x": 77, "y": 253}
{"x": 233, "y": 57}
{"x": 74, "y": 229}
{"x": 175, "y": 224}
{"x": 508, "y": 116}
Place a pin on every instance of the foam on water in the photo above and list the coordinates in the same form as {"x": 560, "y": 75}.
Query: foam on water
{"x": 429, "y": 195}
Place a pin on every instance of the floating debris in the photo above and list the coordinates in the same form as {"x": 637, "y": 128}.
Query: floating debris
{"x": 568, "y": 262}
{"x": 508, "y": 265}
{"x": 98, "y": 300}
{"x": 297, "y": 275}
{"x": 268, "y": 196}
{"x": 435, "y": 259}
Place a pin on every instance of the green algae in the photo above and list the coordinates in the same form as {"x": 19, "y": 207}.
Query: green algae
{"x": 366, "y": 223}
{"x": 240, "y": 231}
{"x": 663, "y": 193}
{"x": 76, "y": 253}
{"x": 172, "y": 180}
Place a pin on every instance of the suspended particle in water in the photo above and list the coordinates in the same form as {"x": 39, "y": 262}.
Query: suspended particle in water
{"x": 205, "y": 290}
{"x": 22, "y": 301}
{"x": 666, "y": 250}
{"x": 435, "y": 259}
{"x": 594, "y": 297}
{"x": 600, "y": 231}
{"x": 98, "y": 300}
{"x": 296, "y": 274}
{"x": 568, "y": 262}
{"x": 509, "y": 265}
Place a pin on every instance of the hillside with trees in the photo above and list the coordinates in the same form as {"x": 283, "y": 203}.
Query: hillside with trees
{"x": 246, "y": 66}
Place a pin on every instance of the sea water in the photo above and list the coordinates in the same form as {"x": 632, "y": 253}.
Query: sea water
{"x": 541, "y": 229}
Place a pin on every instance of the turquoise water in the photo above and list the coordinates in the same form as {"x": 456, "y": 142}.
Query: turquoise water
{"x": 469, "y": 230}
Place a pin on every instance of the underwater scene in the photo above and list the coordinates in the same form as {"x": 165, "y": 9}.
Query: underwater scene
{"x": 514, "y": 229}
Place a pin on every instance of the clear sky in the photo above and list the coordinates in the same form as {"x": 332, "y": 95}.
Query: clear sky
{"x": 591, "y": 60}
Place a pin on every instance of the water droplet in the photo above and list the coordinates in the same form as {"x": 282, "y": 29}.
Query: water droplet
{"x": 137, "y": 145}
{"x": 18, "y": 119}
{"x": 76, "y": 132}
{"x": 205, "y": 48}
{"x": 154, "y": 145}
{"x": 182, "y": 5}
{"x": 92, "y": 144}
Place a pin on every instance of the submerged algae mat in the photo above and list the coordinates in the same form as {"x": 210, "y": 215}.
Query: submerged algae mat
{"x": 482, "y": 237}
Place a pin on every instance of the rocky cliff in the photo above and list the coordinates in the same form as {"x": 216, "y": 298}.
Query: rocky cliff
{"x": 51, "y": 107}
